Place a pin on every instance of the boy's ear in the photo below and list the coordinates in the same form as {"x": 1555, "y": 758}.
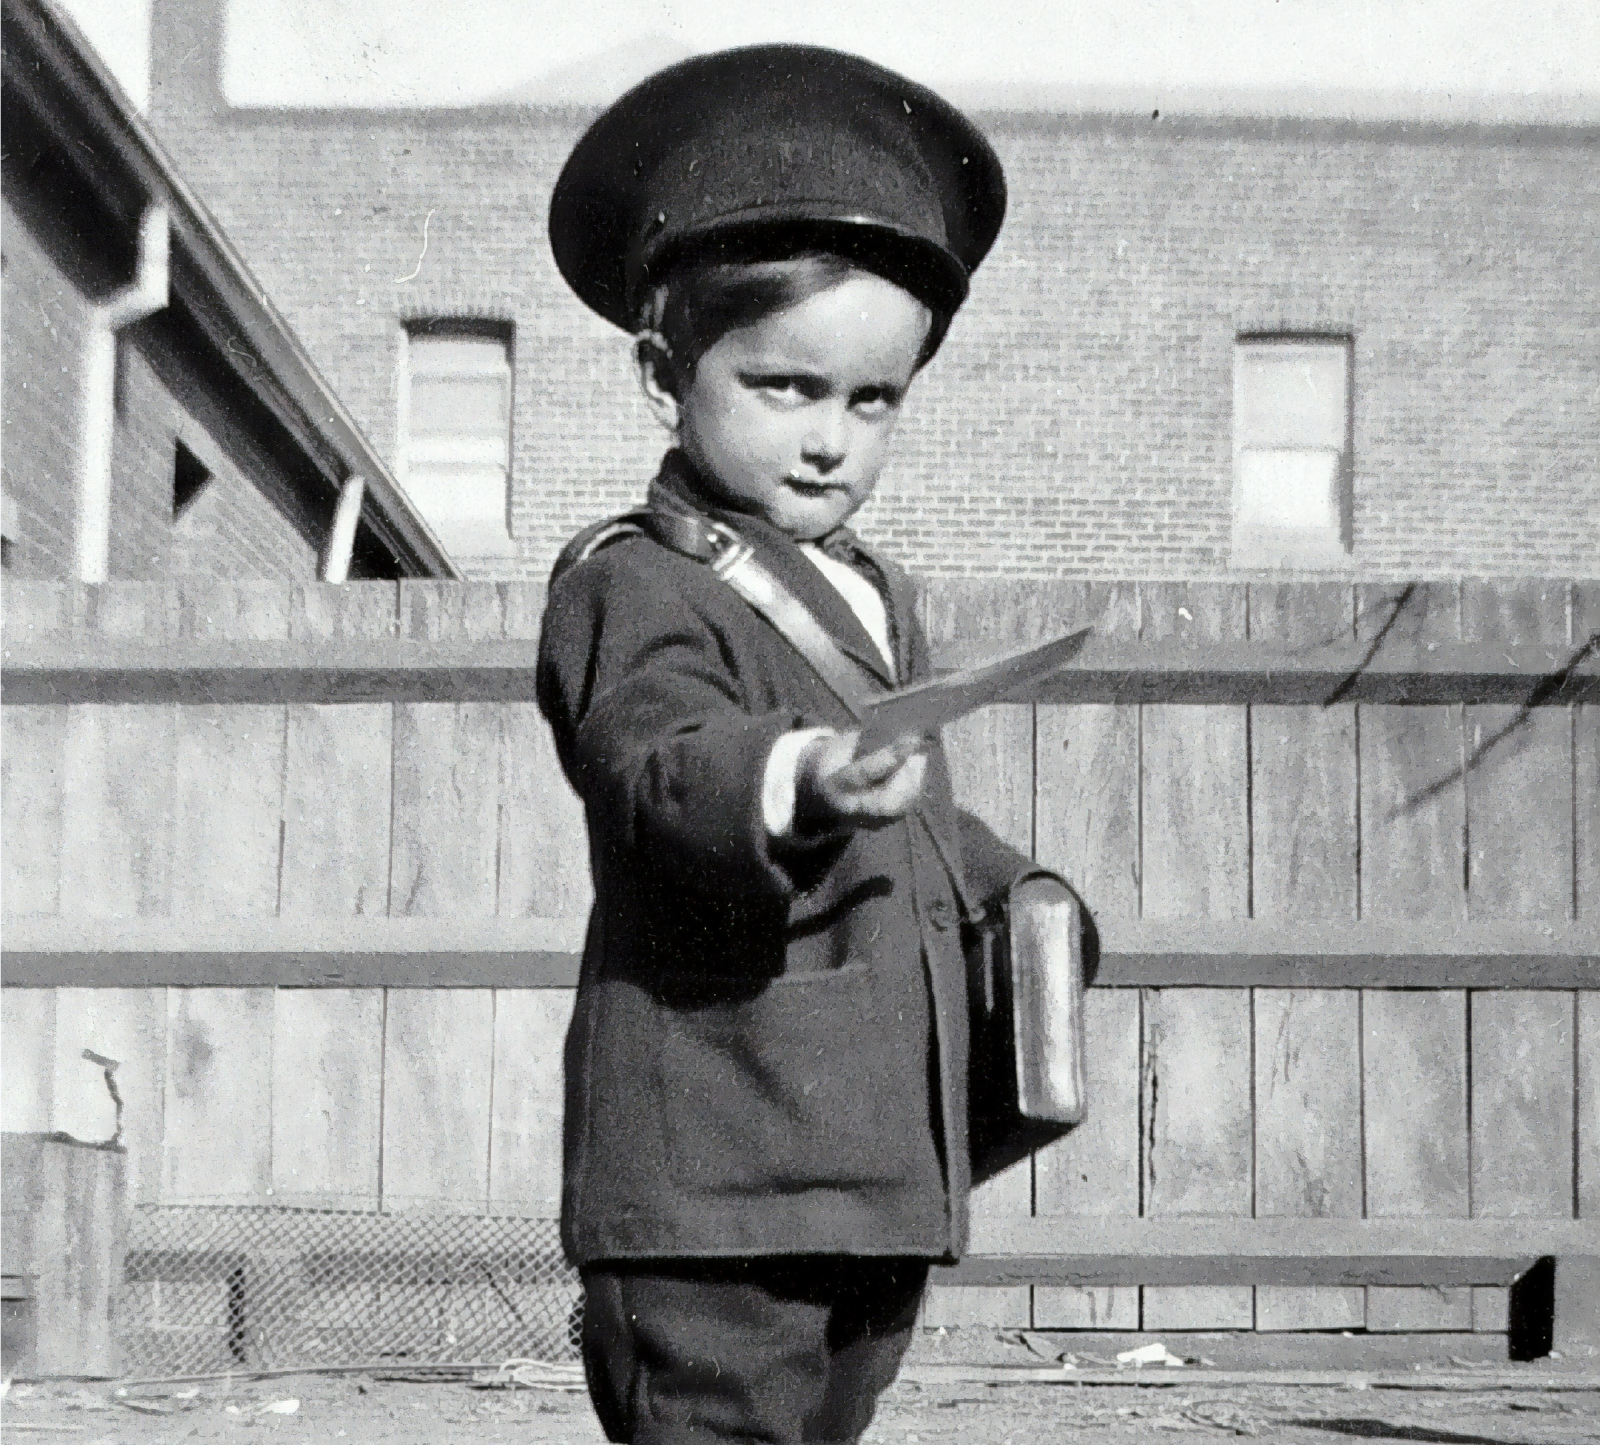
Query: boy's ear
{"x": 658, "y": 379}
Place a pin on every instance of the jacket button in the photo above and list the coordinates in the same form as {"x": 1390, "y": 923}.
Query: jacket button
{"x": 939, "y": 914}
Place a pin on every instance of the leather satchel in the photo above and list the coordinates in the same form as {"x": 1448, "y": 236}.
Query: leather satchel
{"x": 1030, "y": 952}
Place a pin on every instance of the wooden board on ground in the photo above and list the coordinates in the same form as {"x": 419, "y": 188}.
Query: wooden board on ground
{"x": 1588, "y": 1191}
{"x": 438, "y": 1066}
{"x": 327, "y": 1090}
{"x": 217, "y": 1124}
{"x": 530, "y": 1029}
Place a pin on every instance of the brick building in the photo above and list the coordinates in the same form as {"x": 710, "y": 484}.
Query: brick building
{"x": 1203, "y": 347}
{"x": 159, "y": 416}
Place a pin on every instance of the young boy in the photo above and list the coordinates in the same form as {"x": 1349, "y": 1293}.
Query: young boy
{"x": 766, "y": 1127}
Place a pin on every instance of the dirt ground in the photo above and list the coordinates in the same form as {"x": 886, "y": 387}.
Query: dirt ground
{"x": 362, "y": 1411}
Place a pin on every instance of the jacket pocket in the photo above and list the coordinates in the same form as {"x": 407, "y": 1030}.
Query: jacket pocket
{"x": 787, "y": 1091}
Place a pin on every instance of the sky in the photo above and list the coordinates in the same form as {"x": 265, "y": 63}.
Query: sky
{"x": 1478, "y": 59}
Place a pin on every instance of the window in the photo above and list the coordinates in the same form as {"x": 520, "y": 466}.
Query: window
{"x": 455, "y": 434}
{"x": 1291, "y": 451}
{"x": 189, "y": 478}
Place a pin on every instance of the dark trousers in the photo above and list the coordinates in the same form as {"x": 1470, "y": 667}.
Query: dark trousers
{"x": 786, "y": 1350}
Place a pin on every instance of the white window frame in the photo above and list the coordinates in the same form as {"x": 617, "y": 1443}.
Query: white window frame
{"x": 468, "y": 537}
{"x": 1327, "y": 545}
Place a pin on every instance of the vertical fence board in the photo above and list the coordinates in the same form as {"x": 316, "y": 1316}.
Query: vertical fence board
{"x": 33, "y": 756}
{"x": 27, "y": 1060}
{"x": 530, "y": 1027}
{"x": 991, "y": 769}
{"x": 1095, "y": 1169}
{"x": 327, "y": 1072}
{"x": 227, "y": 810}
{"x": 1308, "y": 1136}
{"x": 446, "y": 809}
{"x": 346, "y": 609}
{"x": 1088, "y": 817}
{"x": 130, "y": 1026}
{"x": 1589, "y": 1104}
{"x": 1414, "y": 1087}
{"x": 1303, "y": 861}
{"x": 116, "y": 854}
{"x": 438, "y": 1066}
{"x": 1586, "y": 754}
{"x": 1194, "y": 784}
{"x": 217, "y": 1115}
{"x": 544, "y": 860}
{"x": 1518, "y": 766}
{"x": 1197, "y": 1158}
{"x": 1522, "y": 1104}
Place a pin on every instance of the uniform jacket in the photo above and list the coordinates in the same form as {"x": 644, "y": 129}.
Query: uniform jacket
{"x": 768, "y": 1052}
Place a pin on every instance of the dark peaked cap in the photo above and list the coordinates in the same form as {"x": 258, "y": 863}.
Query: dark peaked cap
{"x": 729, "y": 152}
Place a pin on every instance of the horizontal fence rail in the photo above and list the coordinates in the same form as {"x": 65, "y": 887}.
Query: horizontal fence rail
{"x": 545, "y": 953}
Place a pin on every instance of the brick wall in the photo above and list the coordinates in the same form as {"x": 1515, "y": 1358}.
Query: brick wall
{"x": 40, "y": 344}
{"x": 1077, "y": 421}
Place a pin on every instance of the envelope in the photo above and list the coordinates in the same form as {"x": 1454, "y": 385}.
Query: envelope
{"x": 928, "y": 706}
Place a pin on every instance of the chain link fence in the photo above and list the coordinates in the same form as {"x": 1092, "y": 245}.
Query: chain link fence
{"x": 210, "y": 1288}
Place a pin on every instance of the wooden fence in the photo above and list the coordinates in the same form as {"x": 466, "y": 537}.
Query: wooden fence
{"x": 1343, "y": 844}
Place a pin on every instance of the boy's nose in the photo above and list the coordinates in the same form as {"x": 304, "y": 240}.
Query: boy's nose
{"x": 824, "y": 444}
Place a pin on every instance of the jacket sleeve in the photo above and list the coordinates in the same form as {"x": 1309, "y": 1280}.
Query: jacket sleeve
{"x": 653, "y": 726}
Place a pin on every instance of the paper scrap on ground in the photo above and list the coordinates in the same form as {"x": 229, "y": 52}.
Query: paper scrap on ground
{"x": 1152, "y": 1354}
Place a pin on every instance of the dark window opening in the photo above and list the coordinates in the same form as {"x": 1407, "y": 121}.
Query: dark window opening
{"x": 189, "y": 478}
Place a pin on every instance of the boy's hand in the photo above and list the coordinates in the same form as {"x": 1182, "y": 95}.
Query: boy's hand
{"x": 835, "y": 789}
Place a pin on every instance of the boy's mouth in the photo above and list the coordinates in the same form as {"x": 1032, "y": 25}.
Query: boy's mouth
{"x": 811, "y": 488}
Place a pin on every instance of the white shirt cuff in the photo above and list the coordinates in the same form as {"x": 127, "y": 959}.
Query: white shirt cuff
{"x": 778, "y": 781}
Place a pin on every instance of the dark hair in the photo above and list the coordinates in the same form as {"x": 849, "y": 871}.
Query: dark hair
{"x": 703, "y": 298}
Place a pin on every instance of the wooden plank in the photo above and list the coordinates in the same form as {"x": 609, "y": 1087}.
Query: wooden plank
{"x": 327, "y": 1077}
{"x": 1224, "y": 1280}
{"x": 525, "y": 1131}
{"x": 220, "y": 608}
{"x": 117, "y": 807}
{"x": 544, "y": 858}
{"x": 1415, "y": 1243}
{"x": 437, "y": 1072}
{"x": 1491, "y": 1309}
{"x": 991, "y": 768}
{"x": 217, "y": 1120}
{"x": 1308, "y": 1135}
{"x": 1108, "y": 670}
{"x": 1586, "y": 793}
{"x": 27, "y": 1060}
{"x": 1088, "y": 807}
{"x": 1588, "y": 1191}
{"x": 322, "y": 950}
{"x": 446, "y": 809}
{"x": 130, "y": 1026}
{"x": 33, "y": 611}
{"x": 1194, "y": 807}
{"x": 1518, "y": 765}
{"x": 1095, "y": 1169}
{"x": 1523, "y": 1067}
{"x": 1414, "y": 1099}
{"x": 1198, "y": 1157}
{"x": 345, "y": 609}
{"x": 227, "y": 810}
{"x": 1308, "y": 1042}
{"x": 33, "y": 756}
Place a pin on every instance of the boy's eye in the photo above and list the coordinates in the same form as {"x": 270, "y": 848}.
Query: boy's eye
{"x": 789, "y": 389}
{"x": 875, "y": 400}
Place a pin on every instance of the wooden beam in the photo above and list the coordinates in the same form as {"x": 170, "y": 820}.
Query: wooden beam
{"x": 354, "y": 952}
{"x": 1109, "y": 670}
{"x": 1104, "y": 1251}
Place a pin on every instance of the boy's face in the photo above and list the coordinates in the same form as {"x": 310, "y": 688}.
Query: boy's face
{"x": 790, "y": 419}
